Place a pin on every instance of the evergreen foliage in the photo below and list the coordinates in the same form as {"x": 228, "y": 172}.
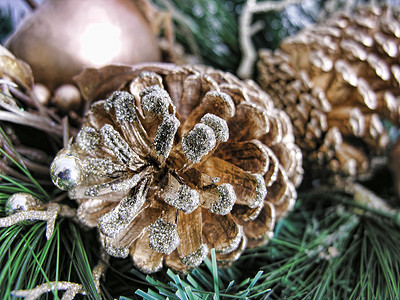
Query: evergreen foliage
{"x": 329, "y": 247}
{"x": 6, "y": 24}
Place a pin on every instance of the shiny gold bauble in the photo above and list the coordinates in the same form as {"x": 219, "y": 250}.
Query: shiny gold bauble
{"x": 66, "y": 170}
{"x": 41, "y": 93}
{"x": 67, "y": 97}
{"x": 63, "y": 36}
{"x": 21, "y": 202}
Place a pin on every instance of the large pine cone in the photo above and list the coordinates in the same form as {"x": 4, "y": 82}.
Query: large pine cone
{"x": 178, "y": 161}
{"x": 337, "y": 81}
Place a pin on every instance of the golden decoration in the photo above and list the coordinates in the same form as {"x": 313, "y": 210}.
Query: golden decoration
{"x": 176, "y": 161}
{"x": 61, "y": 37}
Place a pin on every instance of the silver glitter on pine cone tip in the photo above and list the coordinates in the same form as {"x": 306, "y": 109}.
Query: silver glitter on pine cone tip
{"x": 198, "y": 142}
{"x": 164, "y": 139}
{"x": 226, "y": 200}
{"x": 186, "y": 199}
{"x": 88, "y": 139}
{"x": 196, "y": 258}
{"x": 163, "y": 236}
{"x": 101, "y": 167}
{"x": 155, "y": 100}
{"x": 218, "y": 125}
{"x": 117, "y": 144}
{"x": 66, "y": 171}
{"x": 261, "y": 191}
{"x": 123, "y": 103}
{"x": 116, "y": 220}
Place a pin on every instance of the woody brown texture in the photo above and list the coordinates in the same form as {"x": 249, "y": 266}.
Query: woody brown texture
{"x": 337, "y": 81}
{"x": 177, "y": 161}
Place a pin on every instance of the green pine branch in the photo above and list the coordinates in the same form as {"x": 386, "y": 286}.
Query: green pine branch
{"x": 328, "y": 247}
{"x": 27, "y": 259}
{"x": 325, "y": 249}
{"x": 209, "y": 30}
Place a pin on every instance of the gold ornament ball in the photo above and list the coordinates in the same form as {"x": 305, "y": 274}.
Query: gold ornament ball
{"x": 41, "y": 93}
{"x": 63, "y": 36}
{"x": 21, "y": 202}
{"x": 66, "y": 171}
{"x": 67, "y": 97}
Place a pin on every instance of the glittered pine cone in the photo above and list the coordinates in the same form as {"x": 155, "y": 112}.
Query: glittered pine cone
{"x": 337, "y": 81}
{"x": 177, "y": 161}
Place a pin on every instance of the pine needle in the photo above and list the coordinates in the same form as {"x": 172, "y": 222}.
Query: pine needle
{"x": 200, "y": 284}
{"x": 27, "y": 259}
{"x": 21, "y": 167}
{"x": 79, "y": 259}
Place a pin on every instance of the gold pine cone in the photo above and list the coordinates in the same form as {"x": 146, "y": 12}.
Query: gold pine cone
{"x": 337, "y": 81}
{"x": 178, "y": 161}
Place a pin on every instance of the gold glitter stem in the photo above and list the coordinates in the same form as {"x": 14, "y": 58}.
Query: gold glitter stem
{"x": 49, "y": 215}
{"x": 98, "y": 271}
{"x": 71, "y": 289}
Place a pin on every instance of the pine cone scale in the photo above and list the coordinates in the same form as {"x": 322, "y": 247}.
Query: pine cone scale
{"x": 190, "y": 233}
{"x": 256, "y": 120}
{"x": 221, "y": 232}
{"x": 92, "y": 209}
{"x": 260, "y": 230}
{"x": 144, "y": 258}
{"x": 249, "y": 156}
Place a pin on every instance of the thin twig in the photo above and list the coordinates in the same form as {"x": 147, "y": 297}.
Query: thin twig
{"x": 36, "y": 155}
{"x": 366, "y": 197}
{"x": 30, "y": 165}
{"x": 21, "y": 96}
{"x": 65, "y": 125}
{"x": 185, "y": 22}
{"x": 15, "y": 114}
{"x": 5, "y": 169}
{"x": 26, "y": 120}
{"x": 246, "y": 30}
{"x": 32, "y": 4}
{"x": 35, "y": 167}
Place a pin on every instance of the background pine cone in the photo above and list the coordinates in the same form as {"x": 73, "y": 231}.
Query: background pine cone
{"x": 178, "y": 161}
{"x": 337, "y": 81}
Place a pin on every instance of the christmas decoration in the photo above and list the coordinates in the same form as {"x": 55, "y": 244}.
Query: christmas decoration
{"x": 67, "y": 97}
{"x": 340, "y": 241}
{"x": 29, "y": 209}
{"x": 71, "y": 289}
{"x": 337, "y": 81}
{"x": 181, "y": 160}
{"x": 21, "y": 202}
{"x": 62, "y": 37}
{"x": 41, "y": 93}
